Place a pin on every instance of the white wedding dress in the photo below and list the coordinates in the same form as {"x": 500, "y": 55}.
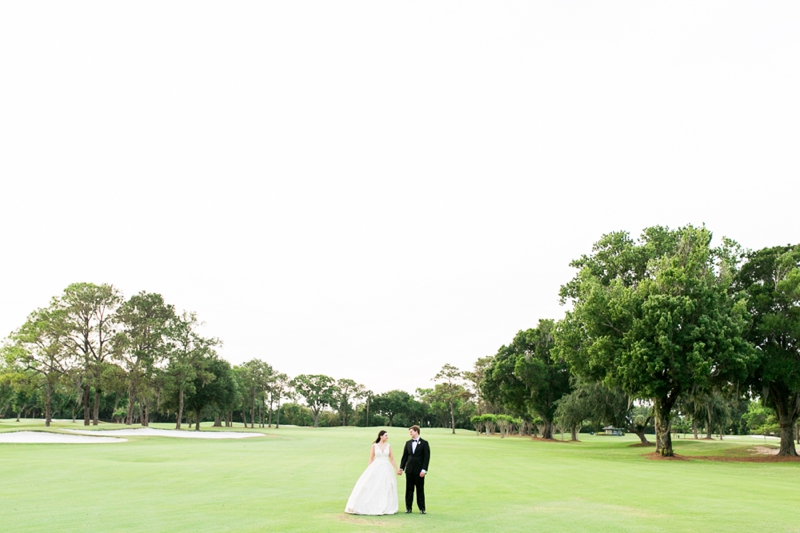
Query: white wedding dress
{"x": 376, "y": 490}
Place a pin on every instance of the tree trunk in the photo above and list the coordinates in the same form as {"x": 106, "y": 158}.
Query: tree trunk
{"x": 708, "y": 425}
{"x": 278, "y": 416}
{"x": 658, "y": 435}
{"x": 642, "y": 437}
{"x": 787, "y": 435}
{"x": 48, "y": 394}
{"x": 270, "y": 413}
{"x": 131, "y": 402}
{"x": 452, "y": 418}
{"x": 547, "y": 430}
{"x": 253, "y": 414}
{"x": 146, "y": 419}
{"x": 573, "y": 433}
{"x": 663, "y": 408}
{"x": 96, "y": 408}
{"x": 180, "y": 408}
{"x": 197, "y": 419}
{"x": 366, "y": 424}
{"x": 217, "y": 421}
{"x": 86, "y": 407}
{"x": 694, "y": 427}
{"x": 316, "y": 418}
{"x": 786, "y": 408}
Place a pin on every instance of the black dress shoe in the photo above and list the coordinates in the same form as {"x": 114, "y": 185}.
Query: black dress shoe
{"x": 422, "y": 512}
{"x": 408, "y": 511}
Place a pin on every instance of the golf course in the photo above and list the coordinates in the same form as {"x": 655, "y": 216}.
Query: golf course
{"x": 298, "y": 479}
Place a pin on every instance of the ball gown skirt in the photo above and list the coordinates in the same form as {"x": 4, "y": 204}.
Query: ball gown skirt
{"x": 375, "y": 492}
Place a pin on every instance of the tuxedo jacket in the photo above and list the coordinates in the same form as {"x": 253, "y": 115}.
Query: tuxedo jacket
{"x": 415, "y": 462}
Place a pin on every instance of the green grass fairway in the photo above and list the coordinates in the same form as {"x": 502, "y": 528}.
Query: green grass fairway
{"x": 298, "y": 479}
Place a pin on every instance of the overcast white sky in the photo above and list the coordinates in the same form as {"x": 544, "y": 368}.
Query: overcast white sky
{"x": 373, "y": 189}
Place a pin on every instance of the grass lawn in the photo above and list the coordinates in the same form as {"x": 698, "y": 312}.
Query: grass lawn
{"x": 298, "y": 479}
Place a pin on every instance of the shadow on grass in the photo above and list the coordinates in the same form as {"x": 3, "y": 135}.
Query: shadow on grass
{"x": 757, "y": 454}
{"x": 540, "y": 439}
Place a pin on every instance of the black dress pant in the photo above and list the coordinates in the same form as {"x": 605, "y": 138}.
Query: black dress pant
{"x": 415, "y": 481}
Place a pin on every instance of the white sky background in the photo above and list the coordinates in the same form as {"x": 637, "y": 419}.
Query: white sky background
{"x": 373, "y": 189}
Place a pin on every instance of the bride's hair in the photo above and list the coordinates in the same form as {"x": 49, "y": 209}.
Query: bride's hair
{"x": 381, "y": 433}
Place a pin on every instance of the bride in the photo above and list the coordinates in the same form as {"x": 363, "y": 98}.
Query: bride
{"x": 376, "y": 490}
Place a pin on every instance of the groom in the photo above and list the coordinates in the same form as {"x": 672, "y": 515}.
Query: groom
{"x": 416, "y": 455}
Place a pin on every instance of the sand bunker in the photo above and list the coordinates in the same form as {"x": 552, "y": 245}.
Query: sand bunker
{"x": 150, "y": 432}
{"x": 44, "y": 437}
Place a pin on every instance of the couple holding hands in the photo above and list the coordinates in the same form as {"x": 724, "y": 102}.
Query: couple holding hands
{"x": 375, "y": 492}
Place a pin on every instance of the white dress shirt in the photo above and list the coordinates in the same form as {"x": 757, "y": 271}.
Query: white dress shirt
{"x": 414, "y": 443}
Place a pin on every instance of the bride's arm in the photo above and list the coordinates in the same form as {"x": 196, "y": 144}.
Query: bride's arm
{"x": 371, "y": 454}
{"x": 391, "y": 458}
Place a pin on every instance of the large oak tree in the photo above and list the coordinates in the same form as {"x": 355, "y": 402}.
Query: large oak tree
{"x": 213, "y": 387}
{"x": 188, "y": 354}
{"x": 771, "y": 280}
{"x": 142, "y": 344}
{"x": 655, "y": 317}
{"x": 451, "y": 390}
{"x": 318, "y": 390}
{"x": 525, "y": 377}
{"x": 87, "y": 320}
{"x": 38, "y": 346}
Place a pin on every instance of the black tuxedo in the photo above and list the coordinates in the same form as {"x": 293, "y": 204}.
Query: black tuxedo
{"x": 414, "y": 462}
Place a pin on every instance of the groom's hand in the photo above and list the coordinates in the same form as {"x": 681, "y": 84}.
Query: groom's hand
{"x": 422, "y": 474}
{"x": 399, "y": 472}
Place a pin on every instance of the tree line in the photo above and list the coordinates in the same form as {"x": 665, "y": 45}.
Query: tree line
{"x": 662, "y": 333}
{"x": 665, "y": 331}
{"x": 92, "y": 352}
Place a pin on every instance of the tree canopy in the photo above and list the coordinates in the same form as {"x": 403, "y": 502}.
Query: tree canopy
{"x": 655, "y": 317}
{"x": 526, "y": 377}
{"x": 318, "y": 390}
{"x": 662, "y": 327}
{"x": 771, "y": 281}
